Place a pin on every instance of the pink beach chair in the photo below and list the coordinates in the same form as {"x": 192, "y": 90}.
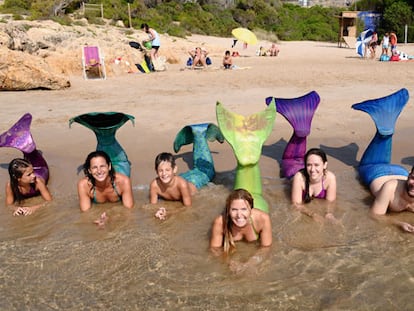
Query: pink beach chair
{"x": 93, "y": 63}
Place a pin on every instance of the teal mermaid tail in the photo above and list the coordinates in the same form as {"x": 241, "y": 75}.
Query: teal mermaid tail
{"x": 246, "y": 136}
{"x": 203, "y": 171}
{"x": 19, "y": 137}
{"x": 376, "y": 159}
{"x": 105, "y": 125}
{"x": 299, "y": 113}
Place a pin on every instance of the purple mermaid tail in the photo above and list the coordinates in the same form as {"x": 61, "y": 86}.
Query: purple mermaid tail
{"x": 299, "y": 113}
{"x": 19, "y": 137}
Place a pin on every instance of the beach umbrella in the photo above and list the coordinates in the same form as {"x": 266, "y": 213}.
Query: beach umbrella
{"x": 362, "y": 41}
{"x": 245, "y": 35}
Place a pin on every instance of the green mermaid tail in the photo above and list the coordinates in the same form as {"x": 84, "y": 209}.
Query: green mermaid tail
{"x": 246, "y": 136}
{"x": 203, "y": 171}
{"x": 105, "y": 125}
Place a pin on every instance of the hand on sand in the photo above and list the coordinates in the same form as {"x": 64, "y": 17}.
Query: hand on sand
{"x": 407, "y": 227}
{"x": 161, "y": 213}
{"x": 101, "y": 221}
{"x": 331, "y": 218}
{"x": 22, "y": 211}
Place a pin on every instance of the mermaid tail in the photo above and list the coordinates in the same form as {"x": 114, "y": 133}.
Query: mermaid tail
{"x": 299, "y": 113}
{"x": 246, "y": 136}
{"x": 105, "y": 125}
{"x": 19, "y": 137}
{"x": 376, "y": 159}
{"x": 203, "y": 171}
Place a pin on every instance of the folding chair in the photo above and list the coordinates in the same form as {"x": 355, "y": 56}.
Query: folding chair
{"x": 93, "y": 63}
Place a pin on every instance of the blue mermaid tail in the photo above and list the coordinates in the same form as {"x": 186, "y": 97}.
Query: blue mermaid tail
{"x": 19, "y": 137}
{"x": 246, "y": 136}
{"x": 203, "y": 171}
{"x": 299, "y": 113}
{"x": 105, "y": 125}
{"x": 376, "y": 159}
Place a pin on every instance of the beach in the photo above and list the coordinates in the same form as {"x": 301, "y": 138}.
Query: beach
{"x": 140, "y": 263}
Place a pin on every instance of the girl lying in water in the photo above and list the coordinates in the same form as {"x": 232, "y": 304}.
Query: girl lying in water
{"x": 24, "y": 184}
{"x": 241, "y": 221}
{"x": 314, "y": 181}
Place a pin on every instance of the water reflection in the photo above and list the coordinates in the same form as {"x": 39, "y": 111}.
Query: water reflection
{"x": 57, "y": 259}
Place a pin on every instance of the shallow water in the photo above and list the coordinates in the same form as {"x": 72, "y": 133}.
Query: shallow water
{"x": 58, "y": 259}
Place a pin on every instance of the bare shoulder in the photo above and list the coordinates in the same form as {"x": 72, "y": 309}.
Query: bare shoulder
{"x": 259, "y": 214}
{"x": 330, "y": 176}
{"x": 83, "y": 182}
{"x": 218, "y": 221}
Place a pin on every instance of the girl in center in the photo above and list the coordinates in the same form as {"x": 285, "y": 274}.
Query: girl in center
{"x": 102, "y": 184}
{"x": 314, "y": 181}
{"x": 240, "y": 221}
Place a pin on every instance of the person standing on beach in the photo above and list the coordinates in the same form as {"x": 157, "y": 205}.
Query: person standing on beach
{"x": 385, "y": 44}
{"x": 154, "y": 38}
{"x": 372, "y": 45}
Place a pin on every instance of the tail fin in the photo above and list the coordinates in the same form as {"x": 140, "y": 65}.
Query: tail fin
{"x": 19, "y": 137}
{"x": 376, "y": 159}
{"x": 105, "y": 125}
{"x": 299, "y": 113}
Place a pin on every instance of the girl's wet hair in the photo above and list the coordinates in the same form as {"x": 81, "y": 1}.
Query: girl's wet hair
{"x": 87, "y": 165}
{"x": 144, "y": 26}
{"x": 164, "y": 156}
{"x": 237, "y": 194}
{"x": 313, "y": 151}
{"x": 17, "y": 167}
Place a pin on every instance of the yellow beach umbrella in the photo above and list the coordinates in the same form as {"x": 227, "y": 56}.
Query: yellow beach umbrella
{"x": 245, "y": 35}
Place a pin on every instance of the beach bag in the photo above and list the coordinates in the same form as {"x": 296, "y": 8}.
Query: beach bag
{"x": 208, "y": 61}
{"x": 384, "y": 58}
{"x": 189, "y": 61}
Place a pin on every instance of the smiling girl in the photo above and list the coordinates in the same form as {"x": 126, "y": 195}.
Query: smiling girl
{"x": 102, "y": 184}
{"x": 24, "y": 184}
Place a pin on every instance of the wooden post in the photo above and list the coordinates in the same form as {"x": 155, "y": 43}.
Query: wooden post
{"x": 102, "y": 11}
{"x": 129, "y": 15}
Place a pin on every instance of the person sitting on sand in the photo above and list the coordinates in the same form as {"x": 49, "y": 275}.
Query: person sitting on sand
{"x": 102, "y": 184}
{"x": 199, "y": 57}
{"x": 314, "y": 181}
{"x": 24, "y": 184}
{"x": 227, "y": 60}
{"x": 167, "y": 184}
{"x": 273, "y": 50}
{"x": 241, "y": 221}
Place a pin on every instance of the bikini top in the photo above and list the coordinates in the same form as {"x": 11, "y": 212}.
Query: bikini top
{"x": 254, "y": 229}
{"x": 320, "y": 195}
{"x": 115, "y": 189}
{"x": 32, "y": 193}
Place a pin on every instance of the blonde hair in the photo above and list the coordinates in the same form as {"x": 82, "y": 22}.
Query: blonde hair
{"x": 237, "y": 194}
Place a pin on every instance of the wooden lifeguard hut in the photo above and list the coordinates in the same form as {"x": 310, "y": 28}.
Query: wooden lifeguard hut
{"x": 347, "y": 29}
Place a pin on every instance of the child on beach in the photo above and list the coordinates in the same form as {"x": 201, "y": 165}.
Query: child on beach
{"x": 168, "y": 185}
{"x": 227, "y": 60}
{"x": 24, "y": 184}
